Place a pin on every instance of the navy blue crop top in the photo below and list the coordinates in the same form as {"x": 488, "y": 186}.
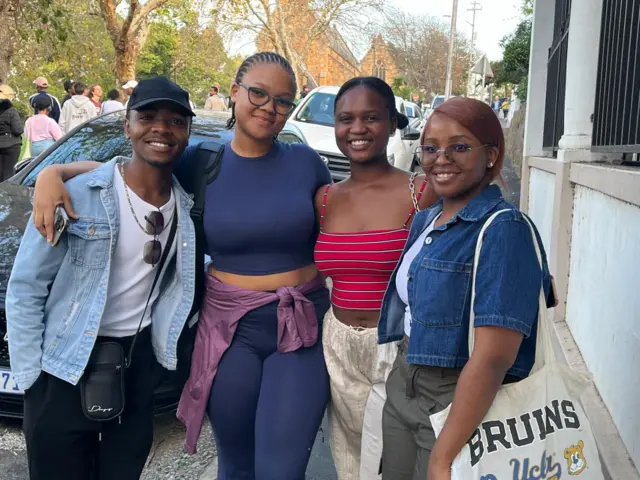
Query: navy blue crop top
{"x": 259, "y": 216}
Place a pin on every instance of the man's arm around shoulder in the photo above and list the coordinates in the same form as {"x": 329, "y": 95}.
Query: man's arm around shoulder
{"x": 35, "y": 268}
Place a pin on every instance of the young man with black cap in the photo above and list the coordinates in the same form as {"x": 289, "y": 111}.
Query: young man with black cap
{"x": 74, "y": 310}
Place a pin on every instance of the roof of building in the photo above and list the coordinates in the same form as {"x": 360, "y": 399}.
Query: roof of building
{"x": 339, "y": 46}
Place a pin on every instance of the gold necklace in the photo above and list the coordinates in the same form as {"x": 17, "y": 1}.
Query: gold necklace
{"x": 135, "y": 217}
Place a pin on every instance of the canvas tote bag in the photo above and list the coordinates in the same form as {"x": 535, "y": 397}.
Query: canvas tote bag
{"x": 535, "y": 429}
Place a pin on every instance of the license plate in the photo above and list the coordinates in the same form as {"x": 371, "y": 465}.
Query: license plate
{"x": 8, "y": 383}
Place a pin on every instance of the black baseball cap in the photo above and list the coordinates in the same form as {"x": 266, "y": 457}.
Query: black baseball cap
{"x": 159, "y": 89}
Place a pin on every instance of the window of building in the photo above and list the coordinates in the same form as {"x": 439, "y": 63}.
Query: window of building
{"x": 379, "y": 70}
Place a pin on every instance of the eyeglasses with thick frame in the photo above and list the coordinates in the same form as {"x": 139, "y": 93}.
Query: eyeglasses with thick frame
{"x": 259, "y": 98}
{"x": 454, "y": 153}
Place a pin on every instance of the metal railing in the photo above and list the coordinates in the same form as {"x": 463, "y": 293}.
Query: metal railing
{"x": 616, "y": 126}
{"x": 556, "y": 77}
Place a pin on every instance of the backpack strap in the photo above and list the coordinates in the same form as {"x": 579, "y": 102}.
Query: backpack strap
{"x": 205, "y": 167}
{"x": 195, "y": 173}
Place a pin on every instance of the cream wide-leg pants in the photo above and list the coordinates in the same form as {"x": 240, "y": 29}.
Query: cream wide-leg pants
{"x": 358, "y": 368}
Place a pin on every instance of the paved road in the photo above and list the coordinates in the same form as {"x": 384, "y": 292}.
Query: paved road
{"x": 166, "y": 460}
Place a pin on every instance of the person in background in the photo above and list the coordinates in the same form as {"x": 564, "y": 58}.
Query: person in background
{"x": 505, "y": 108}
{"x": 40, "y": 129}
{"x": 68, "y": 88}
{"x": 427, "y": 304}
{"x": 127, "y": 88}
{"x": 305, "y": 91}
{"x": 214, "y": 103}
{"x": 113, "y": 104}
{"x": 94, "y": 95}
{"x": 415, "y": 98}
{"x": 220, "y": 94}
{"x": 77, "y": 110}
{"x": 364, "y": 224}
{"x": 10, "y": 132}
{"x": 496, "y": 105}
{"x": 42, "y": 85}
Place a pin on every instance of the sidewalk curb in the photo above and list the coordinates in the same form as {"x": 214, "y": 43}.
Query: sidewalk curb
{"x": 615, "y": 460}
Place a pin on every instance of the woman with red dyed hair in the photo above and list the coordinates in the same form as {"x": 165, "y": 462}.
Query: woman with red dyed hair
{"x": 428, "y": 302}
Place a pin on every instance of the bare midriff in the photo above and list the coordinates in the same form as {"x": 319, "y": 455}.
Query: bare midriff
{"x": 357, "y": 318}
{"x": 267, "y": 283}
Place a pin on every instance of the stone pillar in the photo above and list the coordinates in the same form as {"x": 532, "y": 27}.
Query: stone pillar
{"x": 541, "y": 39}
{"x": 582, "y": 72}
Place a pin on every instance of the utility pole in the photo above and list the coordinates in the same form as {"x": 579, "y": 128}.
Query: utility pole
{"x": 452, "y": 38}
{"x": 475, "y": 7}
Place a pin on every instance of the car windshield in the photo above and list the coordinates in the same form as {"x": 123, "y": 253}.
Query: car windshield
{"x": 437, "y": 101}
{"x": 319, "y": 109}
{"x": 103, "y": 138}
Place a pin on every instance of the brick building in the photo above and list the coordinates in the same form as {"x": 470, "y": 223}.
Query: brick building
{"x": 379, "y": 61}
{"x": 329, "y": 60}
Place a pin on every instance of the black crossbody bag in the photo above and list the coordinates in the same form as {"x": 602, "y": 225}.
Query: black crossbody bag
{"x": 102, "y": 387}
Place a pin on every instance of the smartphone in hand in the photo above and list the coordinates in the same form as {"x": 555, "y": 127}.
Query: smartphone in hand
{"x": 60, "y": 223}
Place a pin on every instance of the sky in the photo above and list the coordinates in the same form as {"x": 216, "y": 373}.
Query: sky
{"x": 496, "y": 19}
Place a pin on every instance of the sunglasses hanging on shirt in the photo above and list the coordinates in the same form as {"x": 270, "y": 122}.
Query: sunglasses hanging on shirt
{"x": 154, "y": 225}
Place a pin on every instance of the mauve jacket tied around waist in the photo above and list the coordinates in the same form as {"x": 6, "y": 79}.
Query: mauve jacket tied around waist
{"x": 223, "y": 307}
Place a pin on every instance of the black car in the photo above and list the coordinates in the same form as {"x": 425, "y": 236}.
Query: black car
{"x": 99, "y": 139}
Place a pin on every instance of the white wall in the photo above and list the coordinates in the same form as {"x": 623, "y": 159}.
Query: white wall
{"x": 541, "y": 194}
{"x": 603, "y": 303}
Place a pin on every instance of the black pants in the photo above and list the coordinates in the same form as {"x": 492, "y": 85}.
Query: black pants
{"x": 62, "y": 444}
{"x": 8, "y": 159}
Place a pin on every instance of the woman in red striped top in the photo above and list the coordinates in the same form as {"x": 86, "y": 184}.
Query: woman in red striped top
{"x": 364, "y": 224}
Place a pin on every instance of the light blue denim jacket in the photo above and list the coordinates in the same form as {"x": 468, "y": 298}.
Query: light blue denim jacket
{"x": 56, "y": 295}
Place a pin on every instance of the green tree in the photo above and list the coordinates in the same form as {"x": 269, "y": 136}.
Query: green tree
{"x": 29, "y": 20}
{"x": 159, "y": 51}
{"x": 401, "y": 89}
{"x": 84, "y": 53}
{"x": 515, "y": 60}
{"x": 191, "y": 55}
{"x": 128, "y": 32}
{"x": 513, "y": 69}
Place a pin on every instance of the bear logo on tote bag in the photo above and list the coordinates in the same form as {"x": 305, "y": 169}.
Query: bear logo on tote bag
{"x": 575, "y": 459}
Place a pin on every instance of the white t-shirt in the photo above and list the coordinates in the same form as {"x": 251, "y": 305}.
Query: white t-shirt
{"x": 130, "y": 278}
{"x": 402, "y": 277}
{"x": 111, "y": 106}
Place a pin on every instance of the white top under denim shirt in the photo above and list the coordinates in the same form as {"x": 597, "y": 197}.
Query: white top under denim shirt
{"x": 402, "y": 277}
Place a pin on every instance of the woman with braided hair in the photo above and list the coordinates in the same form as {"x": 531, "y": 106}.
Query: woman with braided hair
{"x": 258, "y": 368}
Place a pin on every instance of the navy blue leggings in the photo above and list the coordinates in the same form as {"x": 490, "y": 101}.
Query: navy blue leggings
{"x": 266, "y": 407}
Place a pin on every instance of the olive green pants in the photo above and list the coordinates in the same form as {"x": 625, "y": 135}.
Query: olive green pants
{"x": 414, "y": 392}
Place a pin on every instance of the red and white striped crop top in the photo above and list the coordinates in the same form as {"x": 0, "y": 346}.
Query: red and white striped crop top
{"x": 360, "y": 264}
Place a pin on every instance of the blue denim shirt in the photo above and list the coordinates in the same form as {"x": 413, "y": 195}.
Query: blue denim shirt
{"x": 56, "y": 295}
{"x": 439, "y": 284}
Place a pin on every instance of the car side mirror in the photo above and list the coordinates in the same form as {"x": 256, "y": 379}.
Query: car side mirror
{"x": 410, "y": 134}
{"x": 21, "y": 165}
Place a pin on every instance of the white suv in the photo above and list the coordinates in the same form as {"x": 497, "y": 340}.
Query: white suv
{"x": 314, "y": 117}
